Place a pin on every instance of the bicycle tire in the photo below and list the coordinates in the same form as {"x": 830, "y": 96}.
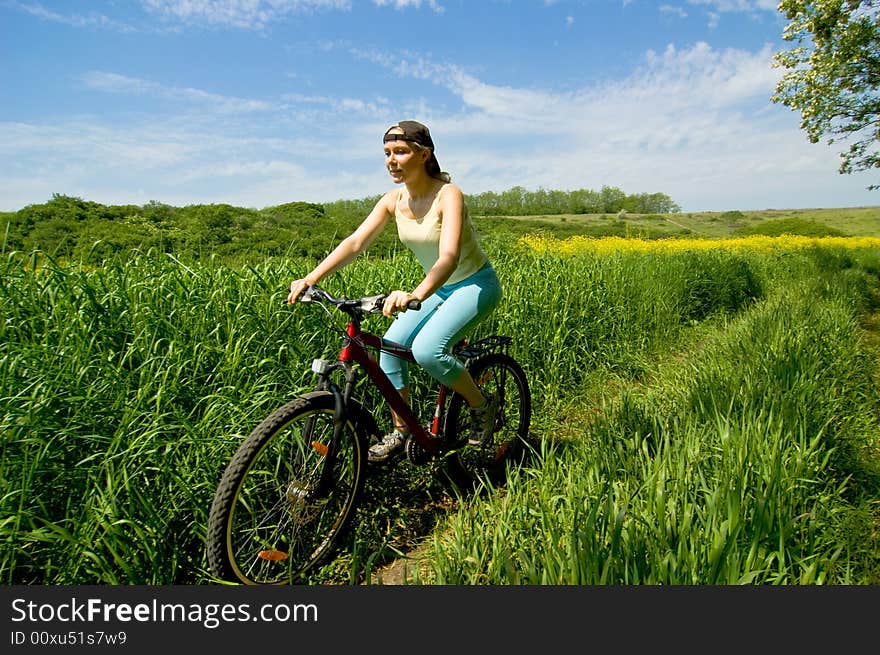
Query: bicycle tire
{"x": 286, "y": 495}
{"x": 500, "y": 374}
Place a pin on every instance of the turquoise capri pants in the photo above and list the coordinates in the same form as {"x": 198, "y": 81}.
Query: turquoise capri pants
{"x": 445, "y": 317}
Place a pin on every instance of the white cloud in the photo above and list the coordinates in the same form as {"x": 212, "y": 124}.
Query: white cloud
{"x": 405, "y": 4}
{"x": 700, "y": 78}
{"x": 744, "y": 6}
{"x": 115, "y": 83}
{"x": 243, "y": 14}
{"x": 673, "y": 10}
{"x": 695, "y": 123}
{"x": 168, "y": 161}
{"x": 92, "y": 19}
{"x": 715, "y": 9}
{"x": 239, "y": 14}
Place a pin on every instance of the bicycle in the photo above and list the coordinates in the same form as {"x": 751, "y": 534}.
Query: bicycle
{"x": 291, "y": 488}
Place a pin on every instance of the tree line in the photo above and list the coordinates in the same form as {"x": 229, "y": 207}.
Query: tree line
{"x": 67, "y": 226}
{"x": 518, "y": 201}
{"x": 608, "y": 200}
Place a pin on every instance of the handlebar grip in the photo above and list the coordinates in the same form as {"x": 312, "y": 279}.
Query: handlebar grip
{"x": 414, "y": 304}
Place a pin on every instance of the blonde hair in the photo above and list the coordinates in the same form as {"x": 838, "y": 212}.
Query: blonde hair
{"x": 432, "y": 166}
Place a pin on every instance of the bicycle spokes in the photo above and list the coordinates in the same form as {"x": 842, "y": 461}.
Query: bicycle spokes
{"x": 288, "y": 494}
{"x": 499, "y": 375}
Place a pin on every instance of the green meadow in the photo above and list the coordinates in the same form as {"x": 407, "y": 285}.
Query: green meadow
{"x": 707, "y": 413}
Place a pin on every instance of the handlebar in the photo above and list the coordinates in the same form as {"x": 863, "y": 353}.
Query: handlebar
{"x": 363, "y": 305}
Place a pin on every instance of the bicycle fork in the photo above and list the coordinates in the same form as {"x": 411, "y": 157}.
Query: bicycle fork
{"x": 328, "y": 451}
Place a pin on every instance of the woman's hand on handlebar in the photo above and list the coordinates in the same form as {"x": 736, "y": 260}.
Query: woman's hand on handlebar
{"x": 297, "y": 288}
{"x": 399, "y": 301}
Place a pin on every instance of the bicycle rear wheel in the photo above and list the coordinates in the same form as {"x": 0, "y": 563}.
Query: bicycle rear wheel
{"x": 499, "y": 374}
{"x": 286, "y": 496}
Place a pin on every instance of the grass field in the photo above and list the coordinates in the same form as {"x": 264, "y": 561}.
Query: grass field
{"x": 851, "y": 221}
{"x": 703, "y": 414}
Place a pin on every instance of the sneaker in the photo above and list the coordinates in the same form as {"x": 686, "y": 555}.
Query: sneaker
{"x": 483, "y": 421}
{"x": 390, "y": 443}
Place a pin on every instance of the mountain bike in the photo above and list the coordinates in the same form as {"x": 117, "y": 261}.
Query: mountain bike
{"x": 292, "y": 487}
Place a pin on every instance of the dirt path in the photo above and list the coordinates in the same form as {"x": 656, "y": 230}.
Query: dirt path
{"x": 403, "y": 570}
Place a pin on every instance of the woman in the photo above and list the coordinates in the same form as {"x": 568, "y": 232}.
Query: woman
{"x": 460, "y": 286}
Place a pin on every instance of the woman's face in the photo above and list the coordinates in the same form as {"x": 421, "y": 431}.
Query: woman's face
{"x": 403, "y": 161}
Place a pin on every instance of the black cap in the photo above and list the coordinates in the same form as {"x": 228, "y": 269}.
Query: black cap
{"x": 412, "y": 131}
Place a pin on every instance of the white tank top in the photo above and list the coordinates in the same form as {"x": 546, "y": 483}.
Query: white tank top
{"x": 422, "y": 237}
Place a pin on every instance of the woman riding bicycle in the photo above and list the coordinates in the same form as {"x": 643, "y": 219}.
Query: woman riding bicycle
{"x": 459, "y": 289}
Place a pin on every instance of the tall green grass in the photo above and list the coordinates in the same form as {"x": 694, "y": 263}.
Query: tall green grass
{"x": 737, "y": 464}
{"x": 735, "y": 467}
{"x": 125, "y": 388}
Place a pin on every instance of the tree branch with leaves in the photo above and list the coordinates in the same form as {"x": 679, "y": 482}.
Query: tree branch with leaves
{"x": 833, "y": 75}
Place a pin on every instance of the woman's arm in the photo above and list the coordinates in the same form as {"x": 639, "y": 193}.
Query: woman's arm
{"x": 451, "y": 209}
{"x": 349, "y": 248}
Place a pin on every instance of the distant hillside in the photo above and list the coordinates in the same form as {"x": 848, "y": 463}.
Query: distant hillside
{"x": 852, "y": 221}
{"x": 74, "y": 228}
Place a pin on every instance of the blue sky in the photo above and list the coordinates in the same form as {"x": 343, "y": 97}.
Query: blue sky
{"x": 260, "y": 102}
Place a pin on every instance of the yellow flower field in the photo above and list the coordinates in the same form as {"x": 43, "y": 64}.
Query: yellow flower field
{"x": 576, "y": 245}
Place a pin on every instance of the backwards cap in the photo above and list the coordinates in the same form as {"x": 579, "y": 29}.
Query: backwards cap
{"x": 412, "y": 131}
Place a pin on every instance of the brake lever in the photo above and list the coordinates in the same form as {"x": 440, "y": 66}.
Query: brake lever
{"x": 373, "y": 304}
{"x": 312, "y": 293}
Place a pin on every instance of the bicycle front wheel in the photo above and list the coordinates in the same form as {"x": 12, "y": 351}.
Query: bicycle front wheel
{"x": 500, "y": 375}
{"x": 287, "y": 495}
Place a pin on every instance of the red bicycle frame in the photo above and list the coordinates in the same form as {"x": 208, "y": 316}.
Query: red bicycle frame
{"x": 359, "y": 348}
